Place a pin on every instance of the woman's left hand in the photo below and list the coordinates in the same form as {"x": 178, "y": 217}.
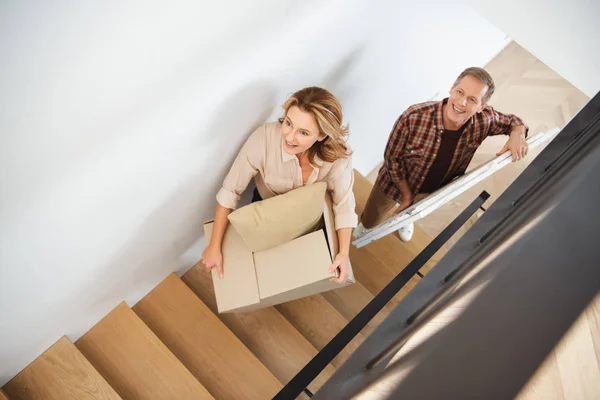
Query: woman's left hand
{"x": 340, "y": 262}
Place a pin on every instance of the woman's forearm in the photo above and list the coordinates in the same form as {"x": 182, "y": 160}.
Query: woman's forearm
{"x": 344, "y": 239}
{"x": 219, "y": 226}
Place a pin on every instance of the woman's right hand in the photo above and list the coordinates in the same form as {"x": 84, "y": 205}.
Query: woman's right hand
{"x": 212, "y": 257}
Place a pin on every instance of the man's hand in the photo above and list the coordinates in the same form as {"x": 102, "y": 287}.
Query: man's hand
{"x": 407, "y": 197}
{"x": 407, "y": 200}
{"x": 516, "y": 144}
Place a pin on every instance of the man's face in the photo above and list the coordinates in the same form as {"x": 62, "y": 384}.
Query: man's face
{"x": 466, "y": 99}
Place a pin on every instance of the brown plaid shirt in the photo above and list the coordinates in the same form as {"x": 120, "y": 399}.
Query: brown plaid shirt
{"x": 415, "y": 141}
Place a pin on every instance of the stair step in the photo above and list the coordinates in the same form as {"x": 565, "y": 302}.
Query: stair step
{"x": 2, "y": 395}
{"x": 135, "y": 362}
{"x": 374, "y": 275}
{"x": 319, "y": 322}
{"x": 350, "y": 300}
{"x": 397, "y": 254}
{"x": 204, "y": 344}
{"x": 60, "y": 373}
{"x": 272, "y": 339}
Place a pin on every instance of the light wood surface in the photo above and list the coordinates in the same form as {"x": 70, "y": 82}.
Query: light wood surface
{"x": 135, "y": 362}
{"x": 374, "y": 275}
{"x": 350, "y": 300}
{"x": 593, "y": 318}
{"x": 572, "y": 370}
{"x": 547, "y": 385}
{"x": 209, "y": 350}
{"x": 319, "y": 322}
{"x": 60, "y": 373}
{"x": 272, "y": 339}
{"x": 577, "y": 363}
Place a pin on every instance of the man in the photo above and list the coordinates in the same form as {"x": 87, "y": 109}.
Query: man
{"x": 433, "y": 143}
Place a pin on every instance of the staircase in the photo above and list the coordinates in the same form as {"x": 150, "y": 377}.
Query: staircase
{"x": 173, "y": 345}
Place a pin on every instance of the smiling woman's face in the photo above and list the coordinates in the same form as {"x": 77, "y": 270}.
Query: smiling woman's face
{"x": 299, "y": 130}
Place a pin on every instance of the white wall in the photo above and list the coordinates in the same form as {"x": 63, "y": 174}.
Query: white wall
{"x": 565, "y": 35}
{"x": 118, "y": 121}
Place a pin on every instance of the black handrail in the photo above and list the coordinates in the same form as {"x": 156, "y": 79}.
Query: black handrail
{"x": 314, "y": 367}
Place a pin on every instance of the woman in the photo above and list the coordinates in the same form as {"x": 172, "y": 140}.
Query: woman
{"x": 305, "y": 146}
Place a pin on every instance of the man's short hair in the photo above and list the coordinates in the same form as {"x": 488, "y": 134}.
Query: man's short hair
{"x": 481, "y": 75}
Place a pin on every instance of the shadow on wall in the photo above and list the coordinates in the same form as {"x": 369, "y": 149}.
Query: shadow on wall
{"x": 338, "y": 79}
{"x": 175, "y": 226}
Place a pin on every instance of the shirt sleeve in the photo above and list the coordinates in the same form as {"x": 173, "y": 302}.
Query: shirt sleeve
{"x": 394, "y": 148}
{"x": 344, "y": 204}
{"x": 501, "y": 124}
{"x": 245, "y": 167}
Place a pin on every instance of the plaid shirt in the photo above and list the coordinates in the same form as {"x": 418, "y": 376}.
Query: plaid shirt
{"x": 415, "y": 141}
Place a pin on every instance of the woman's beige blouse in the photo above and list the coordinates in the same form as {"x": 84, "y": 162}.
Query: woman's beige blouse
{"x": 276, "y": 172}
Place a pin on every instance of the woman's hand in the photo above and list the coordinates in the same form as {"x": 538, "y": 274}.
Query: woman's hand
{"x": 212, "y": 257}
{"x": 340, "y": 262}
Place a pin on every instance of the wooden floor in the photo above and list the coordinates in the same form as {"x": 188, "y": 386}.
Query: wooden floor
{"x": 527, "y": 87}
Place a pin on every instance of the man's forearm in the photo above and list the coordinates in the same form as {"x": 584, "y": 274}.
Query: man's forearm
{"x": 518, "y": 130}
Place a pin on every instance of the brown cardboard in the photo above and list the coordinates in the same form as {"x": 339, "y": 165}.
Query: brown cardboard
{"x": 239, "y": 276}
{"x": 284, "y": 268}
{"x": 295, "y": 269}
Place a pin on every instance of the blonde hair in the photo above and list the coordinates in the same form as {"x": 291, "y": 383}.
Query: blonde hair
{"x": 327, "y": 110}
{"x": 482, "y": 76}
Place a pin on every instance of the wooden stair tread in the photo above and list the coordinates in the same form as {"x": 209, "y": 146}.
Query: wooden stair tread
{"x": 350, "y": 300}
{"x": 374, "y": 275}
{"x": 60, "y": 373}
{"x": 397, "y": 254}
{"x": 2, "y": 395}
{"x": 319, "y": 322}
{"x": 209, "y": 350}
{"x": 272, "y": 339}
{"x": 135, "y": 362}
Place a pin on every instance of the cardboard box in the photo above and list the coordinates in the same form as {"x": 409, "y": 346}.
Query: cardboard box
{"x": 295, "y": 269}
